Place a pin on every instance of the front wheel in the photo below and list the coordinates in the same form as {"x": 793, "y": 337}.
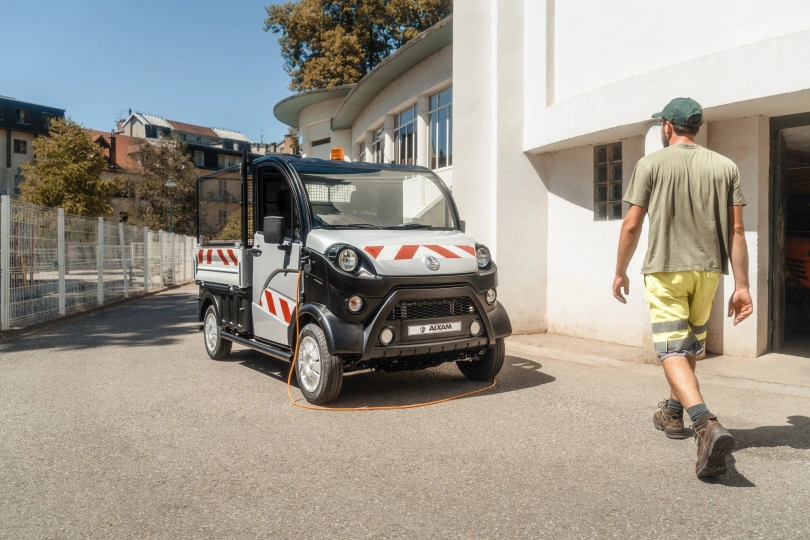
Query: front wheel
{"x": 488, "y": 366}
{"x": 216, "y": 347}
{"x": 319, "y": 374}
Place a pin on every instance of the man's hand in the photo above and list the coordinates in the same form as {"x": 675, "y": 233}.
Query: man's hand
{"x": 619, "y": 283}
{"x": 740, "y": 305}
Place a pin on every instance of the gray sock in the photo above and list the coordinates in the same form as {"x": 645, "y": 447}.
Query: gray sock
{"x": 674, "y": 405}
{"x": 696, "y": 411}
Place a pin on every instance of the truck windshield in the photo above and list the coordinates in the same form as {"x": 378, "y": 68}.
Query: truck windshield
{"x": 376, "y": 199}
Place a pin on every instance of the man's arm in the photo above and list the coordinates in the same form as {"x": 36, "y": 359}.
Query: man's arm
{"x": 740, "y": 304}
{"x": 628, "y": 241}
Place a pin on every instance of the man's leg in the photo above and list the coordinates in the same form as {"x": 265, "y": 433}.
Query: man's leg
{"x": 680, "y": 372}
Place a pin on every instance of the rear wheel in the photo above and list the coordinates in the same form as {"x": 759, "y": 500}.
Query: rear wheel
{"x": 488, "y": 366}
{"x": 319, "y": 374}
{"x": 216, "y": 347}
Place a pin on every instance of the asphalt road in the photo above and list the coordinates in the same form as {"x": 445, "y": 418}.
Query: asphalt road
{"x": 118, "y": 425}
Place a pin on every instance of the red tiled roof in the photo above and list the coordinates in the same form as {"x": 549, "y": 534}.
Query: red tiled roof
{"x": 191, "y": 128}
{"x": 123, "y": 144}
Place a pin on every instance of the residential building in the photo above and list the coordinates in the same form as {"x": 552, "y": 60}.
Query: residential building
{"x": 119, "y": 150}
{"x": 554, "y": 102}
{"x": 400, "y": 112}
{"x": 20, "y": 123}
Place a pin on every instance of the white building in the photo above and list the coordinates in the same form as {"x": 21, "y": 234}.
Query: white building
{"x": 400, "y": 112}
{"x": 551, "y": 105}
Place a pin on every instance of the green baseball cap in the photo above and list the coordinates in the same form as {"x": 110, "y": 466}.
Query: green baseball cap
{"x": 682, "y": 111}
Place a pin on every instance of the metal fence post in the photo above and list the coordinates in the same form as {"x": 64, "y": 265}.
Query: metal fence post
{"x": 147, "y": 273}
{"x": 160, "y": 249}
{"x": 60, "y": 255}
{"x": 174, "y": 264}
{"x": 5, "y": 261}
{"x": 124, "y": 268}
{"x": 100, "y": 261}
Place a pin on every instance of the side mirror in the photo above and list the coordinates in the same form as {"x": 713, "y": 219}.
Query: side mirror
{"x": 462, "y": 225}
{"x": 273, "y": 230}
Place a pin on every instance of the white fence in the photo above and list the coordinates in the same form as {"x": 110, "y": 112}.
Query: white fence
{"x": 53, "y": 264}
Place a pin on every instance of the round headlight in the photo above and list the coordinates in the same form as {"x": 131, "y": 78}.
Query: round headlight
{"x": 482, "y": 254}
{"x": 387, "y": 335}
{"x": 356, "y": 304}
{"x": 475, "y": 328}
{"x": 347, "y": 260}
{"x": 492, "y": 294}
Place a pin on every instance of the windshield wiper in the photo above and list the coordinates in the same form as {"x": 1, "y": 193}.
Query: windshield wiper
{"x": 351, "y": 226}
{"x": 410, "y": 226}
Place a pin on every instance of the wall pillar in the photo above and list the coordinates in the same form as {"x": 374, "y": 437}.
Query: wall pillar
{"x": 388, "y": 146}
{"x": 422, "y": 131}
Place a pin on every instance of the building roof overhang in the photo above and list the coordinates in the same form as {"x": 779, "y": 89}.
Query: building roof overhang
{"x": 426, "y": 44}
{"x": 288, "y": 109}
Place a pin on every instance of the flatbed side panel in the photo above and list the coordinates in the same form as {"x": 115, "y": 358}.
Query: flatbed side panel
{"x": 222, "y": 264}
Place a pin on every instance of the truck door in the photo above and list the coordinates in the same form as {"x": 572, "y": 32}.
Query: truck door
{"x": 275, "y": 269}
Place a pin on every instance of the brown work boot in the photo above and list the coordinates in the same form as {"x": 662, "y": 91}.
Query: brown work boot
{"x": 669, "y": 421}
{"x": 714, "y": 443}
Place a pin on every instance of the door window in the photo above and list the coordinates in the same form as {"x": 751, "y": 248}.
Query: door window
{"x": 278, "y": 200}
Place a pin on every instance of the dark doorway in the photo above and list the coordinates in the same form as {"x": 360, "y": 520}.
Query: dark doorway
{"x": 790, "y": 240}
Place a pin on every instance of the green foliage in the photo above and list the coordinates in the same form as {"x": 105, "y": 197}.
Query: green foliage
{"x": 166, "y": 159}
{"x": 330, "y": 43}
{"x": 66, "y": 172}
{"x": 295, "y": 147}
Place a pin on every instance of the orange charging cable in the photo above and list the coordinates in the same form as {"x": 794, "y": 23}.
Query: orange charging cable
{"x": 344, "y": 409}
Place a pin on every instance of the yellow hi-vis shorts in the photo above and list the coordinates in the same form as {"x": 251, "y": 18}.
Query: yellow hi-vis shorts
{"x": 680, "y": 304}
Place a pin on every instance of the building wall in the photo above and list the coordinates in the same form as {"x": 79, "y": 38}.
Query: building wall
{"x": 7, "y": 174}
{"x": 313, "y": 114}
{"x": 432, "y": 74}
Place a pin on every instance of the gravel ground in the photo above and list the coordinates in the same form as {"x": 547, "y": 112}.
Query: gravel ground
{"x": 119, "y": 425}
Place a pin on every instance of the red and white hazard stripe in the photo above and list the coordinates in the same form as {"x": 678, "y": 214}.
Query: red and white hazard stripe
{"x": 210, "y": 256}
{"x": 277, "y": 305}
{"x": 413, "y": 251}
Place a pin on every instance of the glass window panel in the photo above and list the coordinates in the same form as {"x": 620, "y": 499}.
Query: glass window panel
{"x": 600, "y": 212}
{"x": 600, "y": 154}
{"x": 442, "y": 146}
{"x": 615, "y": 192}
{"x": 450, "y": 135}
{"x": 616, "y": 211}
{"x": 600, "y": 193}
{"x": 616, "y": 151}
{"x": 615, "y": 172}
{"x": 600, "y": 174}
{"x": 446, "y": 96}
{"x": 434, "y": 100}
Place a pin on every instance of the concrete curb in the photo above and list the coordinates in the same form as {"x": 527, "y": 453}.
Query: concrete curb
{"x": 7, "y": 336}
{"x": 576, "y": 358}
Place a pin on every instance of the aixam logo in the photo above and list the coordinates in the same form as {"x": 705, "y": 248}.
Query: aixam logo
{"x": 437, "y": 327}
{"x": 431, "y": 262}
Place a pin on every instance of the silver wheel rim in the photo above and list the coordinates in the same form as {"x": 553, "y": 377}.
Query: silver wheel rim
{"x": 211, "y": 332}
{"x": 309, "y": 364}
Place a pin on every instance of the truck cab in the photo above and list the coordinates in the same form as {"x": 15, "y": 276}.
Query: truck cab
{"x": 354, "y": 265}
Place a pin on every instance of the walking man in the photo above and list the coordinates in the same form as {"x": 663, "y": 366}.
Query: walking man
{"x": 693, "y": 198}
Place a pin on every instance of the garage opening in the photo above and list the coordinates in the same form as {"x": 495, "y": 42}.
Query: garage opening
{"x": 791, "y": 243}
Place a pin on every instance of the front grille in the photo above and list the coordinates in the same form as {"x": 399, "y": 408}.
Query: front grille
{"x": 432, "y": 309}
{"x": 796, "y": 268}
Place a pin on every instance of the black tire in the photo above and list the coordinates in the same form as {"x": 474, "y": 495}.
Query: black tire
{"x": 216, "y": 347}
{"x": 488, "y": 366}
{"x": 330, "y": 377}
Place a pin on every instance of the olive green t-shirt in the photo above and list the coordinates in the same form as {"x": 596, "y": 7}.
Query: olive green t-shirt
{"x": 687, "y": 191}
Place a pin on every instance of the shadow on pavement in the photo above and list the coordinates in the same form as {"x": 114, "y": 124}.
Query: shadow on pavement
{"x": 796, "y": 435}
{"x": 153, "y": 321}
{"x": 379, "y": 388}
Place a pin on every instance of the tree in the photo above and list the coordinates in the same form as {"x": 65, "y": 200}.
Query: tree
{"x": 330, "y": 43}
{"x": 295, "y": 146}
{"x": 166, "y": 159}
{"x": 66, "y": 172}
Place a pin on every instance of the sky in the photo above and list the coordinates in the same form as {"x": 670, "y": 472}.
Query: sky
{"x": 203, "y": 62}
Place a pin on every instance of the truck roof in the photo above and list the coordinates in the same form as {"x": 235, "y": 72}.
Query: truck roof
{"x": 296, "y": 160}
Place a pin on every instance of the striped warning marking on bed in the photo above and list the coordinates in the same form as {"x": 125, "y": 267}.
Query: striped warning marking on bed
{"x": 277, "y": 305}
{"x": 412, "y": 251}
{"x": 226, "y": 256}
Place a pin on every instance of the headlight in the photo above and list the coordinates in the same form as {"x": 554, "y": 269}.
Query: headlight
{"x": 475, "y": 328}
{"x": 356, "y": 304}
{"x": 492, "y": 295}
{"x": 387, "y": 336}
{"x": 483, "y": 256}
{"x": 347, "y": 260}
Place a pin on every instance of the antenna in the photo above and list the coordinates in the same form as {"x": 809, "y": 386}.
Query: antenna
{"x": 261, "y": 136}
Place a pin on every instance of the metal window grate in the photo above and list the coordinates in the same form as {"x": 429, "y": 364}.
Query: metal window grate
{"x": 607, "y": 180}
{"x": 432, "y": 309}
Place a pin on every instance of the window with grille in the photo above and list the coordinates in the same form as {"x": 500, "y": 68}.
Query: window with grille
{"x": 20, "y": 147}
{"x": 47, "y": 118}
{"x": 23, "y": 116}
{"x": 441, "y": 129}
{"x": 405, "y": 137}
{"x": 607, "y": 182}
